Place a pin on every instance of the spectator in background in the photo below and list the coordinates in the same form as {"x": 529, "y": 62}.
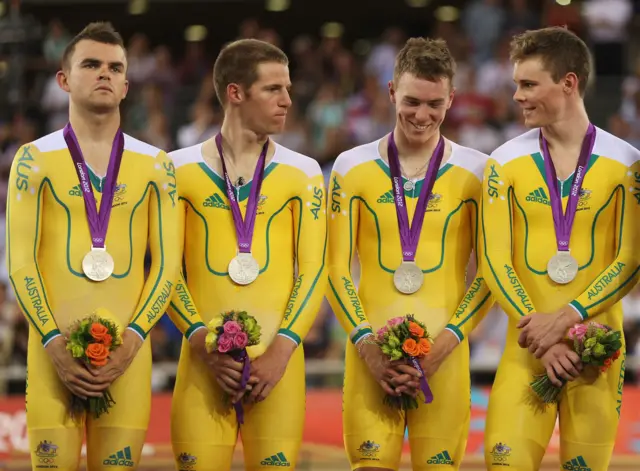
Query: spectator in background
{"x": 607, "y": 23}
{"x": 521, "y": 17}
{"x": 382, "y": 59}
{"x": 483, "y": 22}
{"x": 54, "y": 43}
{"x": 204, "y": 124}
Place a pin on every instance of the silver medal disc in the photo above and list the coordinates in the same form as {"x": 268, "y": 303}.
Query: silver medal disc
{"x": 244, "y": 269}
{"x": 408, "y": 278}
{"x": 562, "y": 267}
{"x": 409, "y": 185}
{"x": 98, "y": 264}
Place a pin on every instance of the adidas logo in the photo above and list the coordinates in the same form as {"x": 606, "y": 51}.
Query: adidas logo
{"x": 276, "y": 460}
{"x": 75, "y": 191}
{"x": 121, "y": 458}
{"x": 215, "y": 201}
{"x": 538, "y": 196}
{"x": 441, "y": 458}
{"x": 387, "y": 197}
{"x": 576, "y": 464}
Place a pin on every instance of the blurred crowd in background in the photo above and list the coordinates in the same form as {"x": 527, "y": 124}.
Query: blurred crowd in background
{"x": 340, "y": 100}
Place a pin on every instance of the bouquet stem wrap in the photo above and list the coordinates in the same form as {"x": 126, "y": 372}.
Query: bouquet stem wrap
{"x": 424, "y": 384}
{"x": 242, "y": 357}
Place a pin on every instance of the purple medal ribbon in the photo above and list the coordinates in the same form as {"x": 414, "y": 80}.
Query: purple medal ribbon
{"x": 244, "y": 229}
{"x": 424, "y": 386}
{"x": 410, "y": 236}
{"x": 563, "y": 222}
{"x": 98, "y": 221}
{"x": 241, "y": 356}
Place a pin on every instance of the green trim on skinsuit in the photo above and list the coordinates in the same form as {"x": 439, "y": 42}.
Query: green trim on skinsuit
{"x": 245, "y": 190}
{"x": 566, "y": 189}
{"x": 138, "y": 329}
{"x": 487, "y": 258}
{"x": 458, "y": 333}
{"x": 315, "y": 280}
{"x": 593, "y": 231}
{"x": 361, "y": 333}
{"x": 193, "y": 328}
{"x": 477, "y": 308}
{"x": 66, "y": 208}
{"x": 375, "y": 217}
{"x": 152, "y": 293}
{"x": 292, "y": 335}
{"x": 206, "y": 229}
{"x": 335, "y": 293}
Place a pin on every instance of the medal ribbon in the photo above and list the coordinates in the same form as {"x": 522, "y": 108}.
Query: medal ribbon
{"x": 244, "y": 229}
{"x": 410, "y": 236}
{"x": 563, "y": 222}
{"x": 98, "y": 221}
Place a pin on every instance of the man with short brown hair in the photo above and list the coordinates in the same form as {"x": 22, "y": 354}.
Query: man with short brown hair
{"x": 560, "y": 220}
{"x": 84, "y": 204}
{"x": 255, "y": 217}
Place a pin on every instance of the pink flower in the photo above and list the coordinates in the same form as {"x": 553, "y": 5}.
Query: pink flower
{"x": 578, "y": 332}
{"x": 599, "y": 326}
{"x": 232, "y": 327}
{"x": 395, "y": 321}
{"x": 381, "y": 332}
{"x": 225, "y": 343}
{"x": 240, "y": 340}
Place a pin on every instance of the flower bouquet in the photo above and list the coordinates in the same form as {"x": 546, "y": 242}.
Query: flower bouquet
{"x": 406, "y": 339}
{"x": 91, "y": 340}
{"x": 597, "y": 346}
{"x": 231, "y": 333}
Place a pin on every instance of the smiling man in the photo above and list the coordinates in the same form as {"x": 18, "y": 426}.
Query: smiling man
{"x": 84, "y": 204}
{"x": 255, "y": 218}
{"x": 560, "y": 218}
{"x": 415, "y": 269}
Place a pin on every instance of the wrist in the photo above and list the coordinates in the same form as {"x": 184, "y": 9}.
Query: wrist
{"x": 283, "y": 346}
{"x": 445, "y": 343}
{"x": 569, "y": 317}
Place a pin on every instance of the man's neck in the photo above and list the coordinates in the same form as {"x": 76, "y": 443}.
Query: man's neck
{"x": 569, "y": 131}
{"x": 92, "y": 127}
{"x": 240, "y": 145}
{"x": 409, "y": 152}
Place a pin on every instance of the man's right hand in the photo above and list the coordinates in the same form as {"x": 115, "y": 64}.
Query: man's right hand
{"x": 75, "y": 376}
{"x": 225, "y": 370}
{"x": 395, "y": 379}
{"x": 561, "y": 362}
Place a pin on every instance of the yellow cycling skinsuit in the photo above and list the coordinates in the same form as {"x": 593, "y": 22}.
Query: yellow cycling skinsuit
{"x": 47, "y": 238}
{"x": 519, "y": 237}
{"x": 362, "y": 217}
{"x": 290, "y": 231}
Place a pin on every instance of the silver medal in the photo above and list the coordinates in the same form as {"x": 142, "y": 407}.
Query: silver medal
{"x": 409, "y": 185}
{"x": 408, "y": 278}
{"x": 244, "y": 269}
{"x": 562, "y": 267}
{"x": 98, "y": 264}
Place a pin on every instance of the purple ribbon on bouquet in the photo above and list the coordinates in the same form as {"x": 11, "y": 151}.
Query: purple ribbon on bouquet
{"x": 241, "y": 356}
{"x": 424, "y": 386}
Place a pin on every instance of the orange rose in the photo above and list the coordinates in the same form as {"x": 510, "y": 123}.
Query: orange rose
{"x": 411, "y": 347}
{"x": 425, "y": 346}
{"x": 97, "y": 354}
{"x": 616, "y": 355}
{"x": 608, "y": 362}
{"x": 107, "y": 340}
{"x": 416, "y": 330}
{"x": 98, "y": 331}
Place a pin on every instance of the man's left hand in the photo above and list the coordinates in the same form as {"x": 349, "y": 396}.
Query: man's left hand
{"x": 121, "y": 357}
{"x": 269, "y": 368}
{"x": 541, "y": 331}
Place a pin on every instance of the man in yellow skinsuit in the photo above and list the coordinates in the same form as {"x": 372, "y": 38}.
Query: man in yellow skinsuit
{"x": 246, "y": 199}
{"x": 560, "y": 219}
{"x": 84, "y": 203}
{"x": 418, "y": 270}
